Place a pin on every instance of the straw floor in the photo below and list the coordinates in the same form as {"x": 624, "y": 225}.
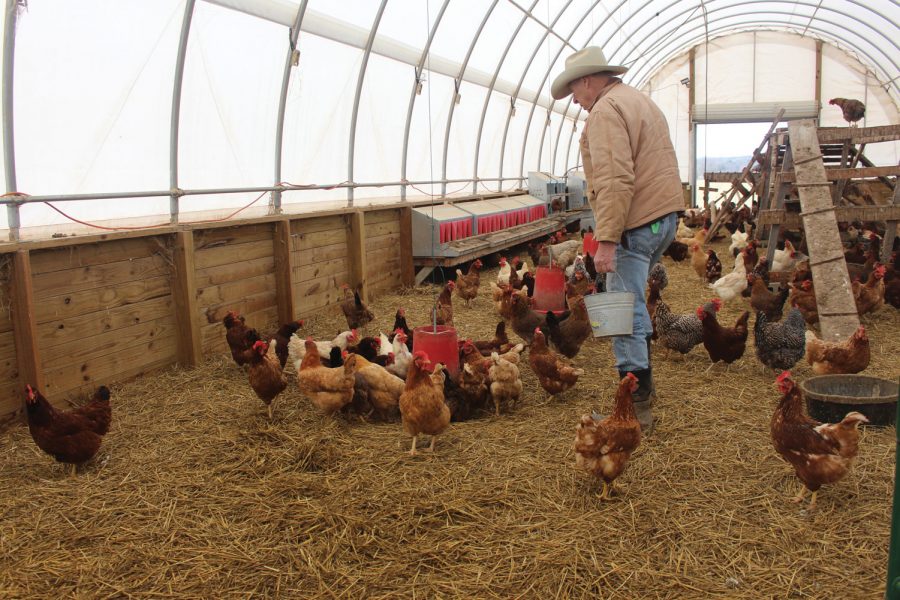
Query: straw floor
{"x": 195, "y": 494}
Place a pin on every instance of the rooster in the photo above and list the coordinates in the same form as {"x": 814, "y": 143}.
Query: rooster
{"x": 725, "y": 344}
{"x": 266, "y": 374}
{"x": 853, "y": 110}
{"x": 71, "y": 437}
{"x": 830, "y": 358}
{"x": 603, "y": 446}
{"x": 820, "y": 453}
{"x": 422, "y": 406}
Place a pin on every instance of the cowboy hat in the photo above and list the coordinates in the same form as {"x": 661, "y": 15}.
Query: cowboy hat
{"x": 584, "y": 62}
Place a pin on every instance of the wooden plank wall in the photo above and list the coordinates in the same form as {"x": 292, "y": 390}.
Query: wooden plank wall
{"x": 10, "y": 398}
{"x": 105, "y": 311}
{"x": 382, "y": 251}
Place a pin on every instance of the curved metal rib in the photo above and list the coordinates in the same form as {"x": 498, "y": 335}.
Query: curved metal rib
{"x": 359, "y": 83}
{"x": 176, "y": 109}
{"x": 412, "y": 96}
{"x": 9, "y": 149}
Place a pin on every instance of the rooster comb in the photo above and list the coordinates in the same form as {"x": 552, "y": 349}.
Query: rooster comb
{"x": 631, "y": 376}
{"x": 717, "y": 304}
{"x": 785, "y": 375}
{"x": 420, "y": 355}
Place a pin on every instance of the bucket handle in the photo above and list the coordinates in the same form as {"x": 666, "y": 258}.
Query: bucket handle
{"x": 616, "y": 273}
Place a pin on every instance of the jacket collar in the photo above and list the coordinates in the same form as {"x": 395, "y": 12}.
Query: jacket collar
{"x": 614, "y": 81}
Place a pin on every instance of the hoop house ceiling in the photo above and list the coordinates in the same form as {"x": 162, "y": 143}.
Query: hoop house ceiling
{"x": 389, "y": 98}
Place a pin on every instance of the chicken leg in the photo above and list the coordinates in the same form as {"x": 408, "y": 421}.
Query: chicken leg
{"x": 433, "y": 440}
{"x": 801, "y": 494}
{"x": 74, "y": 470}
{"x": 604, "y": 491}
{"x": 269, "y": 409}
{"x": 412, "y": 449}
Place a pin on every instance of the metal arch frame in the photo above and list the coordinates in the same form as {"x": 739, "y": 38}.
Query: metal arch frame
{"x": 755, "y": 24}
{"x": 176, "y": 109}
{"x": 678, "y": 24}
{"x": 515, "y": 95}
{"x": 412, "y": 96}
{"x": 490, "y": 90}
{"x": 282, "y": 101}
{"x": 544, "y": 81}
{"x": 548, "y": 29}
{"x": 9, "y": 140}
{"x": 457, "y": 83}
{"x": 359, "y": 83}
{"x": 785, "y": 25}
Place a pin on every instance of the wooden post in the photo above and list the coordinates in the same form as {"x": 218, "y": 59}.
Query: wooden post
{"x": 356, "y": 253}
{"x": 838, "y": 317}
{"x": 818, "y": 90}
{"x": 407, "y": 269}
{"x": 28, "y": 354}
{"x": 890, "y": 232}
{"x": 184, "y": 292}
{"x": 284, "y": 278}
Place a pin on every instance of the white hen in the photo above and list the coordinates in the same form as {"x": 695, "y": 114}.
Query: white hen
{"x": 297, "y": 345}
{"x": 731, "y": 285}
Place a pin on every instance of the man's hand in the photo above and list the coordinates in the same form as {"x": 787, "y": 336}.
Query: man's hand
{"x": 605, "y": 259}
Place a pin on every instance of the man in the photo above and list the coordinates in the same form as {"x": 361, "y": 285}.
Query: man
{"x": 634, "y": 189}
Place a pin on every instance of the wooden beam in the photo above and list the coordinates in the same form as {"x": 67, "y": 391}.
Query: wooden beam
{"x": 356, "y": 253}
{"x": 24, "y": 323}
{"x": 854, "y": 135}
{"x": 284, "y": 282}
{"x": 834, "y": 174}
{"x": 837, "y": 308}
{"x": 890, "y": 232}
{"x": 818, "y": 90}
{"x": 184, "y": 292}
{"x": 793, "y": 220}
{"x": 407, "y": 269}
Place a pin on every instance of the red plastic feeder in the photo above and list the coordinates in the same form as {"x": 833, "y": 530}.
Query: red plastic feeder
{"x": 439, "y": 344}
{"x": 549, "y": 289}
{"x": 587, "y": 244}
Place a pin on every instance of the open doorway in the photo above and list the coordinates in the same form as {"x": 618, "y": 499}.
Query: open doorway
{"x": 725, "y": 148}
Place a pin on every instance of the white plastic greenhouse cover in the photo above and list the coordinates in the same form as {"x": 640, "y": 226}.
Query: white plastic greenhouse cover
{"x": 98, "y": 97}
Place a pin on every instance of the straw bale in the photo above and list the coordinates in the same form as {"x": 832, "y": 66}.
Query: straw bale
{"x": 196, "y": 494}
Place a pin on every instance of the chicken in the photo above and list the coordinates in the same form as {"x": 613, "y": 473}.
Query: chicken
{"x": 698, "y": 260}
{"x": 500, "y": 295}
{"x": 579, "y": 286}
{"x": 505, "y": 386}
{"x": 240, "y": 338}
{"x": 659, "y": 275}
{"x": 442, "y": 312}
{"x": 504, "y": 272}
{"x": 820, "y": 453}
{"x": 677, "y": 332}
{"x": 725, "y": 344}
{"x": 683, "y": 231}
{"x": 520, "y": 272}
{"x": 568, "y": 335}
{"x": 554, "y": 374}
{"x": 853, "y": 110}
{"x": 523, "y": 318}
{"x": 804, "y": 298}
{"x": 780, "y": 345}
{"x": 738, "y": 242}
{"x": 461, "y": 402}
{"x": 400, "y": 325}
{"x": 699, "y": 237}
{"x": 329, "y": 389}
{"x": 402, "y": 355}
{"x": 469, "y": 354}
{"x": 97, "y": 410}
{"x": 784, "y": 260}
{"x": 730, "y": 286}
{"x": 528, "y": 284}
{"x": 603, "y": 446}
{"x": 374, "y": 388}
{"x": 473, "y": 381}
{"x": 749, "y": 255}
{"x": 761, "y": 299}
{"x": 422, "y": 406}
{"x": 564, "y": 253}
{"x": 370, "y": 349}
{"x": 589, "y": 266}
{"x": 870, "y": 295}
{"x": 831, "y": 358}
{"x": 467, "y": 285}
{"x": 355, "y": 310}
{"x": 677, "y": 251}
{"x": 713, "y": 266}
{"x": 71, "y": 437}
{"x": 283, "y": 339}
{"x": 653, "y": 299}
{"x": 266, "y": 375}
{"x": 297, "y": 346}
{"x": 500, "y": 343}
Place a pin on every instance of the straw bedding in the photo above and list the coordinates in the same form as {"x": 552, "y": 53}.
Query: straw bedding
{"x": 195, "y": 494}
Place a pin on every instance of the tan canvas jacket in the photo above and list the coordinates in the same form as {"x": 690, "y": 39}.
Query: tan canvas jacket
{"x": 629, "y": 162}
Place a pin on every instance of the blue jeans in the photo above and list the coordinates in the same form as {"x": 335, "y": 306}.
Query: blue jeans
{"x": 633, "y": 263}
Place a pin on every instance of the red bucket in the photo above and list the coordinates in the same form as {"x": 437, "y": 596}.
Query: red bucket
{"x": 439, "y": 344}
{"x": 549, "y": 289}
